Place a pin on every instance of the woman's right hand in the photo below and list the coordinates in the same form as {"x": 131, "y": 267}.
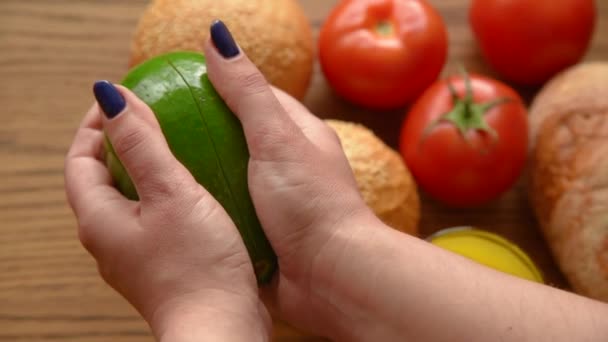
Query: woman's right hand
{"x": 301, "y": 184}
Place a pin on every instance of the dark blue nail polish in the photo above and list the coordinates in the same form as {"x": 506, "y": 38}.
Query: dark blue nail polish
{"x": 109, "y": 99}
{"x": 222, "y": 39}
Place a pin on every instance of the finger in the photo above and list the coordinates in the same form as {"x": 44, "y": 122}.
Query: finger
{"x": 269, "y": 130}
{"x": 90, "y": 192}
{"x": 315, "y": 129}
{"x": 296, "y": 111}
{"x": 140, "y": 145}
{"x": 92, "y": 118}
{"x": 83, "y": 170}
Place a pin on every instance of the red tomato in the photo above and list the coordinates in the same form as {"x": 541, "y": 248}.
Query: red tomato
{"x": 528, "y": 41}
{"x": 466, "y": 150}
{"x": 382, "y": 53}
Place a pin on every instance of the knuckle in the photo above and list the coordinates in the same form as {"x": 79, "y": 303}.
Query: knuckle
{"x": 252, "y": 82}
{"x": 129, "y": 142}
{"x": 106, "y": 272}
{"x": 269, "y": 143}
{"x": 246, "y": 85}
{"x": 159, "y": 187}
{"x": 86, "y": 233}
{"x": 173, "y": 203}
{"x": 204, "y": 205}
{"x": 110, "y": 271}
{"x": 332, "y": 143}
{"x": 185, "y": 216}
{"x": 193, "y": 205}
{"x": 86, "y": 239}
{"x": 270, "y": 135}
{"x": 207, "y": 208}
{"x": 332, "y": 135}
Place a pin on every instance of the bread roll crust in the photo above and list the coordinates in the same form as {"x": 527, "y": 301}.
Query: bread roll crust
{"x": 275, "y": 34}
{"x": 579, "y": 88}
{"x": 384, "y": 181}
{"x": 569, "y": 175}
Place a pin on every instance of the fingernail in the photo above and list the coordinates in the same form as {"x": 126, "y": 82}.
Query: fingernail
{"x": 222, "y": 39}
{"x": 109, "y": 98}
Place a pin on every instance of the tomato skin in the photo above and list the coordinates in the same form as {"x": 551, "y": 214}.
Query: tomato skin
{"x": 528, "y": 41}
{"x": 382, "y": 70}
{"x": 465, "y": 172}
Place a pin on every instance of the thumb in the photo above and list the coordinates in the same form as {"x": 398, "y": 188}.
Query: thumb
{"x": 271, "y": 134}
{"x": 139, "y": 143}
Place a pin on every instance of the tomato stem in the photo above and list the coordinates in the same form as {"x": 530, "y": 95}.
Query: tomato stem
{"x": 468, "y": 88}
{"x": 384, "y": 28}
{"x": 453, "y": 91}
{"x": 465, "y": 114}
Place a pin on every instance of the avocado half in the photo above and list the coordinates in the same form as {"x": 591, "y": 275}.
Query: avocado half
{"x": 205, "y": 136}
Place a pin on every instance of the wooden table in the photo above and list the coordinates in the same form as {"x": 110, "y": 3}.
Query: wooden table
{"x": 50, "y": 53}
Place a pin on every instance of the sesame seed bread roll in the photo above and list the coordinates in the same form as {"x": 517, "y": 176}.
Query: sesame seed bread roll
{"x": 275, "y": 34}
{"x": 384, "y": 181}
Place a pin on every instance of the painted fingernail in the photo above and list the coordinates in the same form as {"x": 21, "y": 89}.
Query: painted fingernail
{"x": 109, "y": 98}
{"x": 223, "y": 40}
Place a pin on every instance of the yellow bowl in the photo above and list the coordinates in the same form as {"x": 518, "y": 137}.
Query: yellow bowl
{"x": 488, "y": 249}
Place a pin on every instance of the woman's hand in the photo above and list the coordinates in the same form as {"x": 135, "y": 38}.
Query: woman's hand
{"x": 345, "y": 275}
{"x": 175, "y": 254}
{"x": 300, "y": 181}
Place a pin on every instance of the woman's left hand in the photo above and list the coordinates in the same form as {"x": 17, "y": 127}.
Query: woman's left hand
{"x": 175, "y": 254}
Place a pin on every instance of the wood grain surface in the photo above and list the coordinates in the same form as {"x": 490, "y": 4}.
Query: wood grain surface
{"x": 50, "y": 53}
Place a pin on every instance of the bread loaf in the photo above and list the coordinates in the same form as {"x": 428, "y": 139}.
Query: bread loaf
{"x": 581, "y": 87}
{"x": 569, "y": 174}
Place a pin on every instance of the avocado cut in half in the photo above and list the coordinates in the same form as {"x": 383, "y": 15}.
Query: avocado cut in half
{"x": 205, "y": 136}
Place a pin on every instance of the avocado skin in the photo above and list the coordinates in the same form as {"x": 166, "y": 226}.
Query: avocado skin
{"x": 205, "y": 136}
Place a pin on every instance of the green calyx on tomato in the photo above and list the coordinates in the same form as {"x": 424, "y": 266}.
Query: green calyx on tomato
{"x": 384, "y": 28}
{"x": 446, "y": 139}
{"x": 467, "y": 115}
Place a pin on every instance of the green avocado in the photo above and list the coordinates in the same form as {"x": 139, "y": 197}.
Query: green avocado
{"x": 205, "y": 136}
